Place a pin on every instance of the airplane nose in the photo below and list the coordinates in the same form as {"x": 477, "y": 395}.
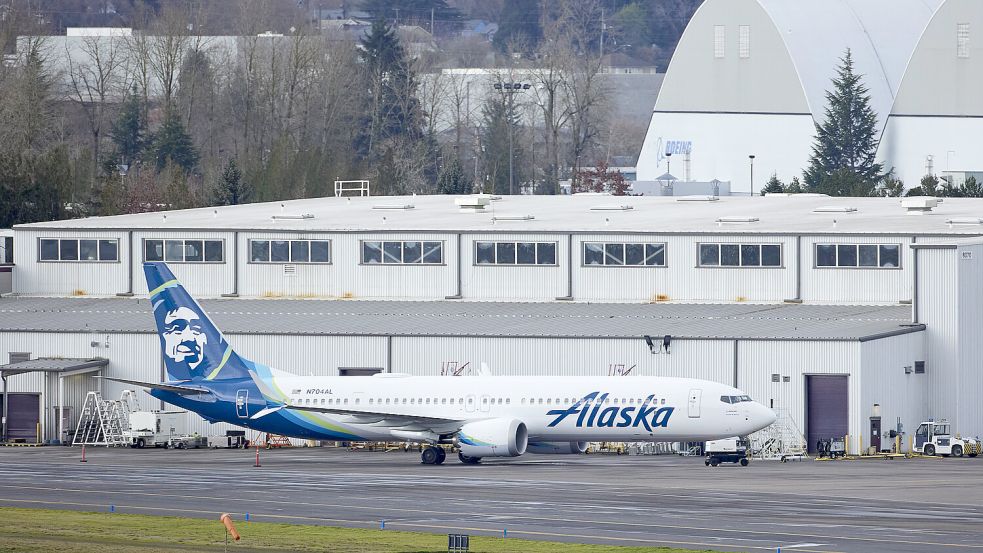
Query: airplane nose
{"x": 767, "y": 416}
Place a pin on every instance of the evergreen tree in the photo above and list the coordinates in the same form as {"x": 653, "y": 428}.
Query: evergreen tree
{"x": 843, "y": 156}
{"x": 773, "y": 186}
{"x": 231, "y": 189}
{"x": 971, "y": 188}
{"x": 892, "y": 187}
{"x": 129, "y": 129}
{"x": 929, "y": 186}
{"x": 519, "y": 26}
{"x": 392, "y": 109}
{"x": 172, "y": 144}
{"x": 794, "y": 186}
{"x": 453, "y": 179}
{"x": 497, "y": 126}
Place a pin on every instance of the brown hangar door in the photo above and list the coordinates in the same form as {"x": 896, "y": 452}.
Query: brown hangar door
{"x": 23, "y": 416}
{"x": 827, "y": 408}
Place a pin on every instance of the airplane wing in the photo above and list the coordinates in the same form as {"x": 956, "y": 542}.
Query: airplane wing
{"x": 183, "y": 390}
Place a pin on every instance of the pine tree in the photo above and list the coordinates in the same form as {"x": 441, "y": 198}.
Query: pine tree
{"x": 843, "y": 156}
{"x": 453, "y": 179}
{"x": 172, "y": 144}
{"x": 230, "y": 189}
{"x": 129, "y": 129}
{"x": 892, "y": 187}
{"x": 392, "y": 109}
{"x": 773, "y": 186}
{"x": 794, "y": 186}
{"x": 497, "y": 126}
{"x": 971, "y": 188}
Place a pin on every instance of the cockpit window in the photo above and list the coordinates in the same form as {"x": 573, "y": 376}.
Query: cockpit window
{"x": 735, "y": 399}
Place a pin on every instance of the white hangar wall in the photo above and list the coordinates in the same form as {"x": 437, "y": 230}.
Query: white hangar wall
{"x": 682, "y": 278}
{"x": 875, "y": 368}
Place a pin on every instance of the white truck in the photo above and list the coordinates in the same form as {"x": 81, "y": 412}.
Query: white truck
{"x": 728, "y": 450}
{"x": 935, "y": 438}
{"x": 151, "y": 428}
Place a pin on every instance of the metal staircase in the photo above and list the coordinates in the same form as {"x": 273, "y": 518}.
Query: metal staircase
{"x": 779, "y": 442}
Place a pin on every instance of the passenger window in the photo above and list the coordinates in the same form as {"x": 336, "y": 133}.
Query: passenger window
{"x": 499, "y": 401}
{"x": 346, "y": 401}
{"x": 523, "y": 401}
{"x": 484, "y": 400}
{"x": 549, "y": 401}
{"x": 508, "y": 400}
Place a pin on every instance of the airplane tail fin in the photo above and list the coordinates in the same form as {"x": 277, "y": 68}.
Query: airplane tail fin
{"x": 192, "y": 346}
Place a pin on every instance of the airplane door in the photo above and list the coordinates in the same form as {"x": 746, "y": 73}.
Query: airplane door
{"x": 695, "y": 395}
{"x": 485, "y": 404}
{"x": 242, "y": 404}
{"x": 469, "y": 404}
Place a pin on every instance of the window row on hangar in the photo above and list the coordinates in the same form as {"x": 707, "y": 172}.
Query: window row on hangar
{"x": 431, "y": 252}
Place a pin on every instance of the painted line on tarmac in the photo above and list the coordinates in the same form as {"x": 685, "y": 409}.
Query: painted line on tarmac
{"x": 542, "y": 518}
{"x": 492, "y": 531}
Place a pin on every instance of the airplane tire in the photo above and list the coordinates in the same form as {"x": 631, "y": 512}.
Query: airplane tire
{"x": 441, "y": 455}
{"x": 468, "y": 460}
{"x": 429, "y": 456}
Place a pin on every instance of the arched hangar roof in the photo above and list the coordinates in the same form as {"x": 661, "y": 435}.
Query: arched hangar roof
{"x": 785, "y": 59}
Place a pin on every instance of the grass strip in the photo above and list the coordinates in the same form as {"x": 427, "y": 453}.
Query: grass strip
{"x": 23, "y": 530}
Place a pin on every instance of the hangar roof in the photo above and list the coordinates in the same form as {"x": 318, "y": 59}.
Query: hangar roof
{"x": 481, "y": 319}
{"x": 794, "y": 214}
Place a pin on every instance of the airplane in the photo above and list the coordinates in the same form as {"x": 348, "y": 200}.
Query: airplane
{"x": 483, "y": 416}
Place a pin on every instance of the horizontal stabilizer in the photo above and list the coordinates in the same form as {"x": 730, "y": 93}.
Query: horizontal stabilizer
{"x": 183, "y": 390}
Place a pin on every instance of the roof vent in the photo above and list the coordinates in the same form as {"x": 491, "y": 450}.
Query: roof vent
{"x": 964, "y": 221}
{"x": 610, "y": 207}
{"x": 697, "y": 199}
{"x": 513, "y": 218}
{"x": 394, "y": 206}
{"x": 723, "y": 220}
{"x": 293, "y": 216}
{"x": 835, "y": 209}
{"x": 472, "y": 204}
{"x": 919, "y": 205}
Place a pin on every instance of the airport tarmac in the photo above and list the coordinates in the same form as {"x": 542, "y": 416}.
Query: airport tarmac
{"x": 867, "y": 506}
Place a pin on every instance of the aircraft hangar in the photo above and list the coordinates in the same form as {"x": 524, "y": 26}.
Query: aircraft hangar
{"x": 819, "y": 307}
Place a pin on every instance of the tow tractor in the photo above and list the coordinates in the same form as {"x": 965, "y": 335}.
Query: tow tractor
{"x": 728, "y": 450}
{"x": 935, "y": 438}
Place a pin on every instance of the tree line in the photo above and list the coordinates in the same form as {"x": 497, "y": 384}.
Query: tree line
{"x": 169, "y": 118}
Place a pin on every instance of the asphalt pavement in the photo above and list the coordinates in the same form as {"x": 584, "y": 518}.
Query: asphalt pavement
{"x": 868, "y": 506}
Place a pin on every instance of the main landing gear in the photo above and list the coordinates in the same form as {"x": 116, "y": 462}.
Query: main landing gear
{"x": 433, "y": 455}
{"x": 468, "y": 460}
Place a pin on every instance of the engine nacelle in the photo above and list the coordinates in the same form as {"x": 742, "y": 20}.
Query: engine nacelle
{"x": 557, "y": 448}
{"x": 493, "y": 438}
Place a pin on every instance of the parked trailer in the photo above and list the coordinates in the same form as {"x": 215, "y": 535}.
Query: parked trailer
{"x": 151, "y": 429}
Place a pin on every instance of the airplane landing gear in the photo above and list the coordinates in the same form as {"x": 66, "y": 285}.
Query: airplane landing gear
{"x": 433, "y": 455}
{"x": 468, "y": 460}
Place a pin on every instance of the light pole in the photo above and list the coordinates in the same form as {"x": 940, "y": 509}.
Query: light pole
{"x": 511, "y": 89}
{"x": 751, "y": 157}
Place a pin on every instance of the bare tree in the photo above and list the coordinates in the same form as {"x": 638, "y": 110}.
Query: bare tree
{"x": 95, "y": 75}
{"x": 167, "y": 50}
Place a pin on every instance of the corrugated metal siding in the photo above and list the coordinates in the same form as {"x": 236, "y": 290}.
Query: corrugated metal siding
{"x": 710, "y": 360}
{"x": 855, "y": 285}
{"x": 201, "y": 279}
{"x": 488, "y": 282}
{"x": 883, "y": 381}
{"x": 758, "y": 360}
{"x": 970, "y": 390}
{"x": 938, "y": 306}
{"x": 65, "y": 278}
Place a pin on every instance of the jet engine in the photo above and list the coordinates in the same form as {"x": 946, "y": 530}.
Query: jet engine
{"x": 558, "y": 448}
{"x": 493, "y": 438}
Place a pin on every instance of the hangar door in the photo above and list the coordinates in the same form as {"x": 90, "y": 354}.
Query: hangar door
{"x": 23, "y": 414}
{"x": 827, "y": 408}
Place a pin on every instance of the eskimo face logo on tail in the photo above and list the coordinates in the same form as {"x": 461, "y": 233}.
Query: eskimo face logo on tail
{"x": 646, "y": 415}
{"x": 184, "y": 337}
